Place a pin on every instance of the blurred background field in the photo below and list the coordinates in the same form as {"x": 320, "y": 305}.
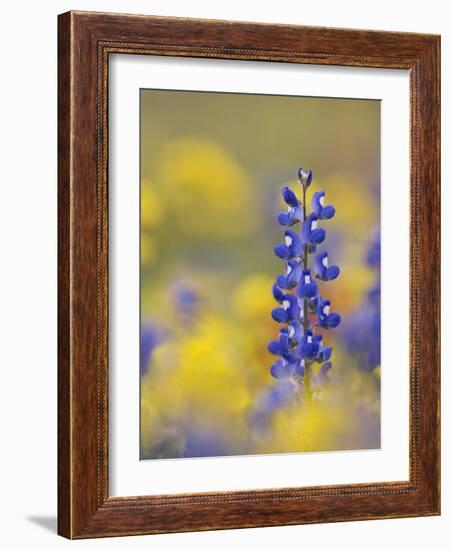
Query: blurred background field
{"x": 212, "y": 169}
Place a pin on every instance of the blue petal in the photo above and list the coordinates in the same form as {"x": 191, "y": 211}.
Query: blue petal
{"x": 297, "y": 331}
{"x": 280, "y": 370}
{"x": 318, "y": 263}
{"x": 330, "y": 321}
{"x": 283, "y": 281}
{"x": 291, "y": 358}
{"x": 296, "y": 246}
{"x": 306, "y": 228}
{"x": 280, "y": 315}
{"x": 290, "y": 197}
{"x": 321, "y": 305}
{"x": 275, "y": 348}
{"x": 325, "y": 353}
{"x": 294, "y": 309}
{"x": 327, "y": 212}
{"x": 317, "y": 338}
{"x": 333, "y": 320}
{"x": 332, "y": 272}
{"x": 306, "y": 289}
{"x": 309, "y": 349}
{"x": 312, "y": 237}
{"x": 317, "y": 236}
{"x": 282, "y": 251}
{"x": 278, "y": 294}
{"x": 284, "y": 218}
{"x": 293, "y": 273}
{"x": 315, "y": 202}
{"x": 296, "y": 215}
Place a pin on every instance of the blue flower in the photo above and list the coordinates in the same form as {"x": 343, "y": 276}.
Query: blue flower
{"x": 323, "y": 271}
{"x": 151, "y": 336}
{"x": 187, "y": 300}
{"x": 278, "y": 396}
{"x": 270, "y": 400}
{"x": 294, "y": 212}
{"x": 278, "y": 348}
{"x": 374, "y": 252}
{"x": 289, "y": 311}
{"x": 288, "y": 339}
{"x": 290, "y": 198}
{"x": 307, "y": 288}
{"x": 292, "y": 276}
{"x": 203, "y": 443}
{"x": 324, "y": 352}
{"x": 291, "y": 248}
{"x": 310, "y": 233}
{"x": 282, "y": 369}
{"x": 325, "y": 319}
{"x": 361, "y": 332}
{"x": 305, "y": 177}
{"x": 323, "y": 212}
{"x": 278, "y": 294}
{"x": 309, "y": 347}
{"x": 295, "y": 332}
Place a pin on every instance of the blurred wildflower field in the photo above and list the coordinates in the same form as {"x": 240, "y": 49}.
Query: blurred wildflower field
{"x": 213, "y": 167}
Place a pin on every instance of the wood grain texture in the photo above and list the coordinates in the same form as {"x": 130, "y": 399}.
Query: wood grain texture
{"x": 85, "y": 42}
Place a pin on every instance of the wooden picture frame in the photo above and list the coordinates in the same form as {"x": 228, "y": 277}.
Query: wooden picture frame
{"x": 85, "y": 42}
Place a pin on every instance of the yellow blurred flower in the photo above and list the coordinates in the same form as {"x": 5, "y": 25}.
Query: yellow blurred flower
{"x": 252, "y": 298}
{"x": 198, "y": 378}
{"x": 206, "y": 189}
{"x": 148, "y": 248}
{"x": 152, "y": 207}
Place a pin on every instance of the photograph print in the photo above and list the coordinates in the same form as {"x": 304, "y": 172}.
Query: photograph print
{"x": 260, "y": 274}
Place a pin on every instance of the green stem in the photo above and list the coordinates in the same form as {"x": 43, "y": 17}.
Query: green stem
{"x": 307, "y": 369}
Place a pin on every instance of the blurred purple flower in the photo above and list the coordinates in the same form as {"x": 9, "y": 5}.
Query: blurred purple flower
{"x": 202, "y": 443}
{"x": 361, "y": 334}
{"x": 186, "y": 299}
{"x": 151, "y": 336}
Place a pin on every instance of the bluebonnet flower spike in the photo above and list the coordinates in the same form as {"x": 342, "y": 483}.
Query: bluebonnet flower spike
{"x": 297, "y": 346}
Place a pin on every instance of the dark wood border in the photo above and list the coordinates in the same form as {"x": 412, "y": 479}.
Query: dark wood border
{"x": 85, "y": 41}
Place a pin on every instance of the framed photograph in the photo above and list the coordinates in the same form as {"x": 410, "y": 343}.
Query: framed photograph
{"x": 248, "y": 275}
